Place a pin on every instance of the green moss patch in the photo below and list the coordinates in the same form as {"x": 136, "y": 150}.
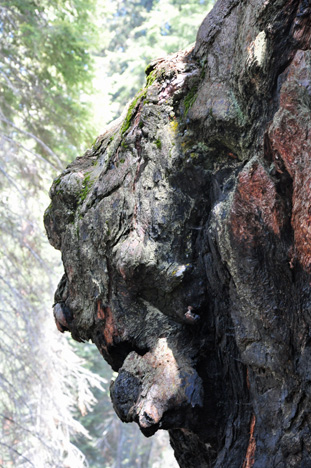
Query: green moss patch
{"x": 151, "y": 79}
{"x": 127, "y": 121}
{"x": 137, "y": 99}
{"x": 86, "y": 187}
{"x": 190, "y": 98}
{"x": 158, "y": 143}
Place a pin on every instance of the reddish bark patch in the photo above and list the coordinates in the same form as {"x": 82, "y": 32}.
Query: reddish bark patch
{"x": 256, "y": 206}
{"x": 100, "y": 311}
{"x": 251, "y": 449}
{"x": 302, "y": 25}
{"x": 109, "y": 330}
{"x": 290, "y": 140}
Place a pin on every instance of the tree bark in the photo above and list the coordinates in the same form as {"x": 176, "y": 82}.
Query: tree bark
{"x": 186, "y": 242}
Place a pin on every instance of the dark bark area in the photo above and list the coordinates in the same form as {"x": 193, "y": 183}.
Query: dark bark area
{"x": 186, "y": 241}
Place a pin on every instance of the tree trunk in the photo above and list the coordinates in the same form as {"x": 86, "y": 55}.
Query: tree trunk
{"x": 186, "y": 241}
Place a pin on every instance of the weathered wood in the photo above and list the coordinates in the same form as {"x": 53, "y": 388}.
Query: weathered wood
{"x": 185, "y": 234}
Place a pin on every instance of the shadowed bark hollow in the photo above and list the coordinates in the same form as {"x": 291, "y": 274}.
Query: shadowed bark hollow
{"x": 185, "y": 235}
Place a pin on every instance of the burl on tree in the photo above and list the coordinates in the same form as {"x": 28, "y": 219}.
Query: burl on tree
{"x": 185, "y": 235}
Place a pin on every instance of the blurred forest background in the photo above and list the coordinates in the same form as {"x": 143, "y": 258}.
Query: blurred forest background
{"x": 67, "y": 68}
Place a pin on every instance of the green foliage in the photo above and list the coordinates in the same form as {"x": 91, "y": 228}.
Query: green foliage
{"x": 41, "y": 378}
{"x": 45, "y": 72}
{"x": 45, "y": 64}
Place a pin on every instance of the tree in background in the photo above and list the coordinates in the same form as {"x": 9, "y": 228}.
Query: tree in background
{"x": 45, "y": 63}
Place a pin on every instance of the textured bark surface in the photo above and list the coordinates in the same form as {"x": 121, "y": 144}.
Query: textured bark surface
{"x": 186, "y": 241}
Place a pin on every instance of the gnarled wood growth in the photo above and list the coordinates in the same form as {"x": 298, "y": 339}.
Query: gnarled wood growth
{"x": 185, "y": 234}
